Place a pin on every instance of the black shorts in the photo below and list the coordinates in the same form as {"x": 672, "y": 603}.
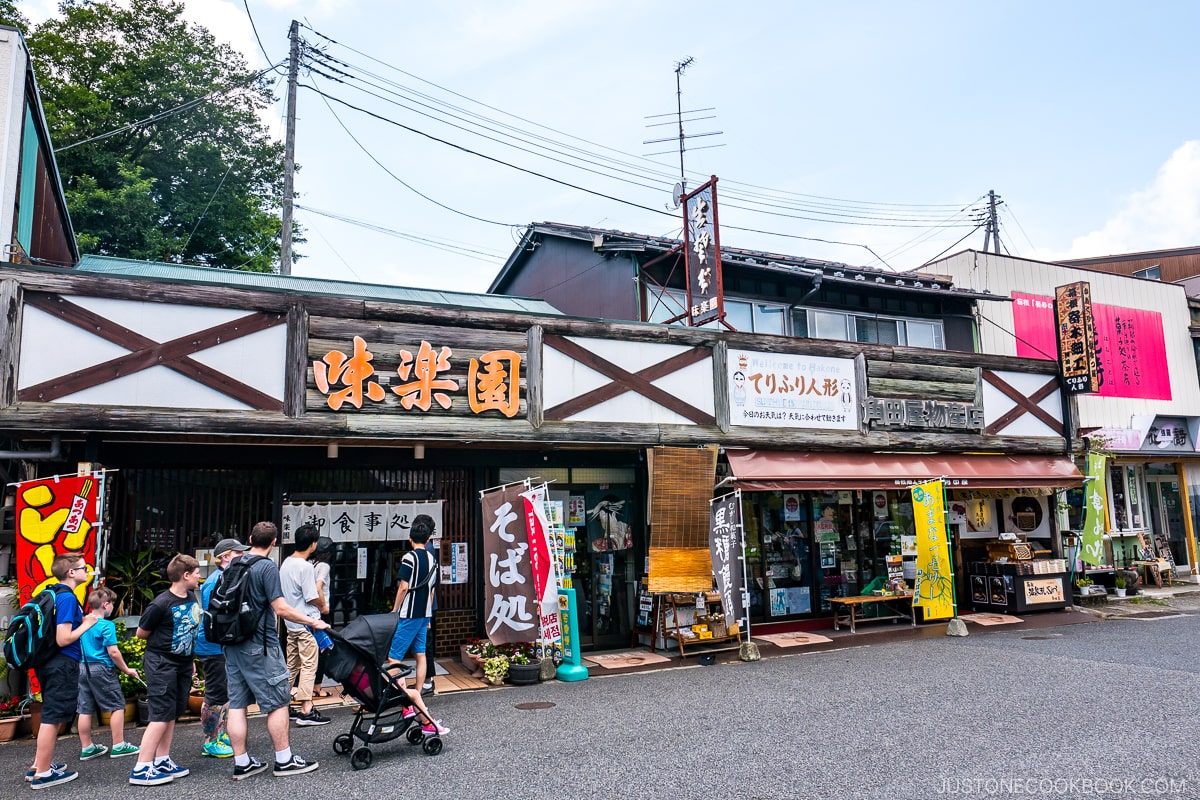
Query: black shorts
{"x": 168, "y": 683}
{"x": 216, "y": 686}
{"x": 59, "y": 678}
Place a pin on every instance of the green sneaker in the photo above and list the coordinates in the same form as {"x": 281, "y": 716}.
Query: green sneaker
{"x": 216, "y": 749}
{"x": 123, "y": 749}
{"x": 92, "y": 751}
{"x": 224, "y": 739}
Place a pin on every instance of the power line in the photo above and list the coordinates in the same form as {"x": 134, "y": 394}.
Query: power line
{"x": 478, "y": 255}
{"x": 254, "y": 28}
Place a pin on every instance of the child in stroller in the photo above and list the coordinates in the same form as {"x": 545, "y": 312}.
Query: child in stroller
{"x": 387, "y": 709}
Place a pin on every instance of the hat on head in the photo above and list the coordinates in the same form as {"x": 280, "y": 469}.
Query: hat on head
{"x": 226, "y": 545}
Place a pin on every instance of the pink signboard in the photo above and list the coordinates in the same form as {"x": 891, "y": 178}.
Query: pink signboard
{"x": 1129, "y": 345}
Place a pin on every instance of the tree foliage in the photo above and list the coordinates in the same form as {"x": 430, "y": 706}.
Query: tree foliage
{"x": 200, "y": 186}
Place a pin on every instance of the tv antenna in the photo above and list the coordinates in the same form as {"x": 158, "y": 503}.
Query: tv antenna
{"x": 681, "y": 188}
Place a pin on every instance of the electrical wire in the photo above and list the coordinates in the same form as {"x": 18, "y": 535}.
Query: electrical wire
{"x": 207, "y": 205}
{"x": 170, "y": 111}
{"x": 951, "y": 247}
{"x": 254, "y": 28}
{"x": 478, "y": 255}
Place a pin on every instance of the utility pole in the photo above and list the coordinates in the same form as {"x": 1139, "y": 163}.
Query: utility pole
{"x": 992, "y": 230}
{"x": 289, "y": 152}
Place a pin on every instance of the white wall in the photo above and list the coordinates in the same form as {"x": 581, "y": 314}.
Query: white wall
{"x": 14, "y": 59}
{"x": 1002, "y": 275}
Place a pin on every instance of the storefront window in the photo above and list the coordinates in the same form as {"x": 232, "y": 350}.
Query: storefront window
{"x": 1125, "y": 497}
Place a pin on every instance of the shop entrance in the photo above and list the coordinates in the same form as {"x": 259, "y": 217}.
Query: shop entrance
{"x": 1166, "y": 512}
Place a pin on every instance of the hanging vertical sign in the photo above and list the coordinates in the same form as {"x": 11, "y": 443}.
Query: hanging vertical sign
{"x": 509, "y": 599}
{"x": 725, "y": 544}
{"x": 541, "y": 562}
{"x": 702, "y": 255}
{"x": 1091, "y": 550}
{"x": 1076, "y": 331}
{"x": 934, "y": 590}
{"x": 54, "y": 516}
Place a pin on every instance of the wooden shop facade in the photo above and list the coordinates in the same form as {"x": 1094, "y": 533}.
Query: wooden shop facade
{"x": 219, "y": 399}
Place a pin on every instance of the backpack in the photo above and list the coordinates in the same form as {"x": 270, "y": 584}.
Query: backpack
{"x": 32, "y": 638}
{"x": 230, "y": 617}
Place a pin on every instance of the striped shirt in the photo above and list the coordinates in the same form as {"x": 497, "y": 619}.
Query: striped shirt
{"x": 419, "y": 570}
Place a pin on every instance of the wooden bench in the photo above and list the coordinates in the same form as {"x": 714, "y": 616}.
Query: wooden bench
{"x": 849, "y": 609}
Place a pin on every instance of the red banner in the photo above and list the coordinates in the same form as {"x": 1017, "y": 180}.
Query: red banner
{"x": 55, "y": 515}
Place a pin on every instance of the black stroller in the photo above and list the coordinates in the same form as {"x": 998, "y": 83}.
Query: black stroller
{"x": 359, "y": 661}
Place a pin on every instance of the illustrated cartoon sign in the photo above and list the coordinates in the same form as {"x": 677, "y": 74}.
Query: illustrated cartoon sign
{"x": 55, "y": 515}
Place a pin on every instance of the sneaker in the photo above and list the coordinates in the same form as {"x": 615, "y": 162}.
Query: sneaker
{"x": 149, "y": 776}
{"x": 92, "y": 751}
{"x": 427, "y": 688}
{"x": 253, "y": 768}
{"x": 313, "y": 717}
{"x": 434, "y": 728}
{"x": 55, "y": 777}
{"x": 169, "y": 767}
{"x": 224, "y": 739}
{"x": 293, "y": 712}
{"x": 216, "y": 749}
{"x": 297, "y": 766}
{"x": 410, "y": 712}
{"x": 123, "y": 749}
{"x": 29, "y": 773}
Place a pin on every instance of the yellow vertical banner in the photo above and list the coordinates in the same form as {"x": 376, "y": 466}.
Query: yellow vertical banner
{"x": 935, "y": 574}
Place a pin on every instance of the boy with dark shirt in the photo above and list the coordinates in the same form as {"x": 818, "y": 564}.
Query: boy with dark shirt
{"x": 169, "y": 625}
{"x": 59, "y": 677}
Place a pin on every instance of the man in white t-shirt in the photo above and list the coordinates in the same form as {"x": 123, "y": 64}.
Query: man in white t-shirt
{"x": 298, "y": 580}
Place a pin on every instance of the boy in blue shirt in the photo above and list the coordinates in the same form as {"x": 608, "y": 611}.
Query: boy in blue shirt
{"x": 99, "y": 687}
{"x": 59, "y": 677}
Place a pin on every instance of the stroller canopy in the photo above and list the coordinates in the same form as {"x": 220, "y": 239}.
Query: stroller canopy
{"x": 371, "y": 633}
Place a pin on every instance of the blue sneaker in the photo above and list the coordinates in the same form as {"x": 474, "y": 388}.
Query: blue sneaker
{"x": 149, "y": 776}
{"x": 169, "y": 767}
{"x": 29, "y": 773}
{"x": 54, "y": 778}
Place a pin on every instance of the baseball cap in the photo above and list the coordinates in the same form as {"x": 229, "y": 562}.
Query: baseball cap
{"x": 225, "y": 545}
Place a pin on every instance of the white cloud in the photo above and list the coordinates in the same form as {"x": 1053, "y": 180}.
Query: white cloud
{"x": 1165, "y": 215}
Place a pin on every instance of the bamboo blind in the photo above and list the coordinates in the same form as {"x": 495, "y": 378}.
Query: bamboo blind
{"x": 681, "y": 486}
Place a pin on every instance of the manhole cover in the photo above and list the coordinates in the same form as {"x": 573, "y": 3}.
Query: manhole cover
{"x": 533, "y": 706}
{"x": 1152, "y": 615}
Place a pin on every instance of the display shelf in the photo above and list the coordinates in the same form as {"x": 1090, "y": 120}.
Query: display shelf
{"x": 671, "y": 628}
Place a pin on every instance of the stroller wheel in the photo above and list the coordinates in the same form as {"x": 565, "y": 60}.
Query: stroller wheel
{"x": 414, "y": 735}
{"x": 343, "y": 743}
{"x": 361, "y": 758}
{"x": 432, "y": 746}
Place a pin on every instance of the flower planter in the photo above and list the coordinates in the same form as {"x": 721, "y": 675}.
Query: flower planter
{"x": 8, "y": 728}
{"x": 525, "y": 674}
{"x": 195, "y": 703}
{"x": 143, "y": 710}
{"x": 473, "y": 663}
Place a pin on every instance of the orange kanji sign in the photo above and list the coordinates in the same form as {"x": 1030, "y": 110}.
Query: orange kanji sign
{"x": 493, "y": 382}
{"x": 351, "y": 372}
{"x": 425, "y": 385}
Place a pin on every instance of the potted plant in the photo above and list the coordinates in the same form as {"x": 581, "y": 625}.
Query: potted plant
{"x": 132, "y": 650}
{"x": 12, "y": 711}
{"x": 137, "y": 577}
{"x": 1085, "y": 586}
{"x": 1119, "y": 583}
{"x": 523, "y": 668}
{"x": 495, "y": 669}
{"x": 472, "y": 654}
{"x": 196, "y": 695}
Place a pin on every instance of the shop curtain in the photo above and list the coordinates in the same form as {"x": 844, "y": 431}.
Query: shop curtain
{"x": 681, "y": 486}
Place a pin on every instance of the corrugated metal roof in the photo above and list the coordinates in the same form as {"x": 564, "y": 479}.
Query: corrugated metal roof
{"x": 295, "y": 284}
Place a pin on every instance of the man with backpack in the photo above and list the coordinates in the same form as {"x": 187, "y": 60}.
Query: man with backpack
{"x": 254, "y": 663}
{"x": 59, "y": 674}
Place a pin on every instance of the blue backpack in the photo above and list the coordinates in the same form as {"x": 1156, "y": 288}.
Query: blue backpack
{"x": 32, "y": 638}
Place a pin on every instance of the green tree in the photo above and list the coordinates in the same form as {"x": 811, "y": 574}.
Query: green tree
{"x": 11, "y": 15}
{"x": 202, "y": 185}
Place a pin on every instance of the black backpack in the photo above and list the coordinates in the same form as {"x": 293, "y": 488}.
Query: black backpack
{"x": 230, "y": 617}
{"x": 32, "y": 638}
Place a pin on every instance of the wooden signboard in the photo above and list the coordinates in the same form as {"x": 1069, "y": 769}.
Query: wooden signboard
{"x": 1076, "y": 331}
{"x": 1163, "y": 548}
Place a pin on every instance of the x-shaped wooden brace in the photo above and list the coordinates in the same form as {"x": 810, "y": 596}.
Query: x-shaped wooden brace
{"x": 1023, "y": 404}
{"x": 146, "y": 353}
{"x": 625, "y": 381}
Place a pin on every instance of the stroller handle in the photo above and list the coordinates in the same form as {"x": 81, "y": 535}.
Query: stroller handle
{"x": 400, "y": 670}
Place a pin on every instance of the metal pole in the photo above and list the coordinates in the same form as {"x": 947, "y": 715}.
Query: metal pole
{"x": 289, "y": 152}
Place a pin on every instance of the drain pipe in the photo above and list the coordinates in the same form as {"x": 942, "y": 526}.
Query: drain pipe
{"x": 816, "y": 284}
{"x": 36, "y": 455}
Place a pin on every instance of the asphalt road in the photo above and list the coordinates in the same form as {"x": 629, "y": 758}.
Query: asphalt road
{"x": 1106, "y": 709}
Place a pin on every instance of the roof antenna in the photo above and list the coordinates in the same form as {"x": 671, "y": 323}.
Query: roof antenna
{"x": 680, "y": 188}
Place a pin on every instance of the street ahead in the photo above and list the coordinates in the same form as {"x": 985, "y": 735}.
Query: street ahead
{"x": 1088, "y": 710}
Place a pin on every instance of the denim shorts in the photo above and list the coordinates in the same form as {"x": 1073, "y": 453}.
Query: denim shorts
{"x": 409, "y": 633}
{"x": 59, "y": 678}
{"x": 168, "y": 683}
{"x": 255, "y": 676}
{"x": 99, "y": 689}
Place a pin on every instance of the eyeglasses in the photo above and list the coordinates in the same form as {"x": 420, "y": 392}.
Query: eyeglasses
{"x": 73, "y": 569}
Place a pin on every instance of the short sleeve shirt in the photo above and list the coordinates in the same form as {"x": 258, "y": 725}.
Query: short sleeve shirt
{"x": 298, "y": 580}
{"x": 203, "y": 646}
{"x": 264, "y": 587}
{"x": 321, "y": 568}
{"x": 67, "y": 609}
{"x": 173, "y": 623}
{"x": 96, "y": 641}
{"x": 419, "y": 569}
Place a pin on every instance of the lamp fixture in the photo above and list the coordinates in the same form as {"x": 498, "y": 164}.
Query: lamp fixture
{"x": 418, "y": 451}
{"x": 331, "y": 450}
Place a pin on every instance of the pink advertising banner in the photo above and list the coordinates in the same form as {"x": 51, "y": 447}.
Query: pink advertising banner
{"x": 1129, "y": 345}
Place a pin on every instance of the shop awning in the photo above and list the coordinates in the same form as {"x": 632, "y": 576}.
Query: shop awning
{"x": 767, "y": 470}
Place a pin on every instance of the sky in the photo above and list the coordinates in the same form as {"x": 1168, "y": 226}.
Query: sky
{"x": 867, "y": 133}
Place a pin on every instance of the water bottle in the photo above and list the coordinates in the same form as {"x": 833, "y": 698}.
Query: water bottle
{"x": 323, "y": 640}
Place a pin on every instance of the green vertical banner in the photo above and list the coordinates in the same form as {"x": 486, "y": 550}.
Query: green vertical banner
{"x": 1091, "y": 550}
